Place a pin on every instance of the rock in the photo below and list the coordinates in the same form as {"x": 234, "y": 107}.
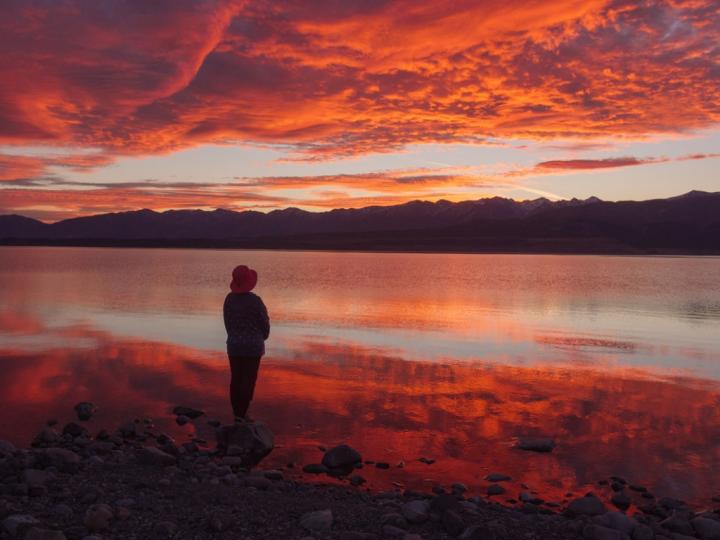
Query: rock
{"x": 536, "y": 444}
{"x": 495, "y": 489}
{"x": 85, "y": 410}
{"x": 427, "y": 461}
{"x": 443, "y": 502}
{"x": 706, "y": 528}
{"x": 341, "y": 457}
{"x": 165, "y": 528}
{"x": 62, "y": 511}
{"x": 36, "y": 533}
{"x": 640, "y": 489}
{"x": 589, "y": 505}
{"x": 412, "y": 536}
{"x": 678, "y": 523}
{"x": 497, "y": 477}
{"x": 181, "y": 410}
{"x": 46, "y": 436}
{"x": 315, "y": 468}
{"x": 616, "y": 520}
{"x": 478, "y": 532}
{"x": 74, "y": 430}
{"x": 17, "y": 523}
{"x": 393, "y": 532}
{"x": 357, "y": 535}
{"x": 150, "y": 455}
{"x": 6, "y": 448}
{"x": 98, "y": 517}
{"x": 251, "y": 441}
{"x": 61, "y": 457}
{"x": 36, "y": 477}
{"x": 394, "y": 519}
{"x": 258, "y": 482}
{"x": 453, "y": 523}
{"x": 415, "y": 511}
{"x": 273, "y": 475}
{"x": 317, "y": 521}
{"x": 642, "y": 532}
{"x": 182, "y": 420}
{"x": 458, "y": 488}
{"x": 382, "y": 465}
{"x": 621, "y": 499}
{"x": 597, "y": 532}
{"x": 357, "y": 480}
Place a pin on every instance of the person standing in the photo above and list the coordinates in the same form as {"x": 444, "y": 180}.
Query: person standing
{"x": 248, "y": 326}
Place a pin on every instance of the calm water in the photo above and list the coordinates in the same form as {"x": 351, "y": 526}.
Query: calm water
{"x": 401, "y": 355}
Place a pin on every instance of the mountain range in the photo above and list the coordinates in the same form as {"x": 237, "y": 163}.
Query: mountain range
{"x": 689, "y": 223}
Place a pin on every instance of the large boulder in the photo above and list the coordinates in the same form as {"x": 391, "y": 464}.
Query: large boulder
{"x": 251, "y": 441}
{"x": 342, "y": 457}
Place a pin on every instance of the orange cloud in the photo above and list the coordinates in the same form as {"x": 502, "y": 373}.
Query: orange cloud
{"x": 331, "y": 79}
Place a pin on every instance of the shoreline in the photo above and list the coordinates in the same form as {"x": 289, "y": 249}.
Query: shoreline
{"x": 245, "y": 246}
{"x": 137, "y": 482}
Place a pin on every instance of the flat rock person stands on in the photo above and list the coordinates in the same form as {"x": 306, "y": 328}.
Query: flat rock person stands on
{"x": 248, "y": 326}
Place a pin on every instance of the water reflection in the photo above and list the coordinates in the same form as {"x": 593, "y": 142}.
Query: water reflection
{"x": 466, "y": 415}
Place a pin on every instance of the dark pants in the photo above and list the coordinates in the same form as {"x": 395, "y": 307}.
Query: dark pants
{"x": 244, "y": 370}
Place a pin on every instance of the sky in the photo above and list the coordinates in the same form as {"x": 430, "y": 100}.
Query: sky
{"x": 116, "y": 105}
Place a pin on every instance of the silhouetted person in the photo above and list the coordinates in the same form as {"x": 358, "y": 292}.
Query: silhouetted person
{"x": 248, "y": 326}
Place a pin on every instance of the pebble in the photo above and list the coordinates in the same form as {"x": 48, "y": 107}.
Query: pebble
{"x": 498, "y": 477}
{"x": 36, "y": 533}
{"x": 382, "y": 465}
{"x": 36, "y": 477}
{"x": 427, "y": 461}
{"x": 62, "y": 511}
{"x": 15, "y": 523}
{"x": 357, "y": 535}
{"x": 597, "y": 532}
{"x": 320, "y": 520}
{"x": 459, "y": 488}
{"x": 642, "y": 532}
{"x": 616, "y": 520}
{"x": 165, "y": 528}
{"x": 621, "y": 499}
{"x": 495, "y": 489}
{"x": 706, "y": 529}
{"x": 586, "y": 506}
{"x": 85, "y": 410}
{"x": 536, "y": 444}
{"x": 182, "y": 420}
{"x": 678, "y": 524}
{"x": 415, "y": 511}
{"x": 453, "y": 523}
{"x": 315, "y": 468}
{"x": 149, "y": 455}
{"x": 98, "y": 517}
{"x": 189, "y": 412}
{"x": 393, "y": 532}
{"x": 357, "y": 480}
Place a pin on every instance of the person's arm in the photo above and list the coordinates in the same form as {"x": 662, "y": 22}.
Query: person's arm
{"x": 264, "y": 320}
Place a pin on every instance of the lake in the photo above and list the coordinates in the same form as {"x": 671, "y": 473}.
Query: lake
{"x": 450, "y": 357}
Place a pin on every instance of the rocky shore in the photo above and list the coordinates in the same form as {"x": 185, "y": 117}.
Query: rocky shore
{"x": 136, "y": 482}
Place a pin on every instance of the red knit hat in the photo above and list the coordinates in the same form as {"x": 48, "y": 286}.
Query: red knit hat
{"x": 244, "y": 279}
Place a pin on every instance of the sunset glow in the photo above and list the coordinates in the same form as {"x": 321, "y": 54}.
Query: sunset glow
{"x": 108, "y": 106}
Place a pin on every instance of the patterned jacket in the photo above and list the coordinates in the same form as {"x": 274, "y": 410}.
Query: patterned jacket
{"x": 247, "y": 324}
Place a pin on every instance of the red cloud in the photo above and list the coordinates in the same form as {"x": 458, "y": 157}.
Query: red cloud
{"x": 585, "y": 164}
{"x": 333, "y": 79}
